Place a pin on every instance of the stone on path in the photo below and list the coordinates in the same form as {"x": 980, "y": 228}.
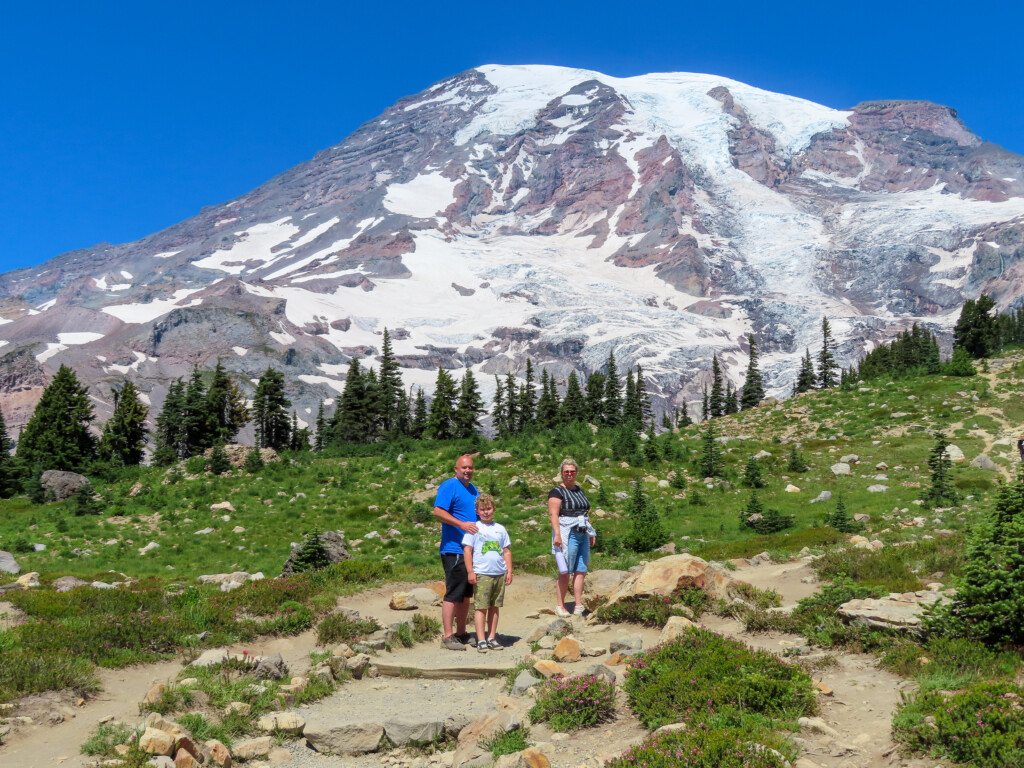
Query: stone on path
{"x": 219, "y": 754}
{"x": 344, "y": 739}
{"x": 250, "y": 749}
{"x": 531, "y": 757}
{"x": 524, "y": 681}
{"x": 818, "y": 725}
{"x": 627, "y": 643}
{"x": 156, "y": 742}
{"x": 420, "y": 597}
{"x": 664, "y": 576}
{"x": 402, "y": 731}
{"x": 283, "y": 722}
{"x": 897, "y": 611}
{"x": 549, "y": 668}
{"x": 568, "y": 650}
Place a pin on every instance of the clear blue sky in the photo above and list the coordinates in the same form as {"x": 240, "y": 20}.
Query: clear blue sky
{"x": 118, "y": 119}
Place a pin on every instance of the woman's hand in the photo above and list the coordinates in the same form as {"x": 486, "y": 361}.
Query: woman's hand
{"x": 557, "y": 541}
{"x": 593, "y": 540}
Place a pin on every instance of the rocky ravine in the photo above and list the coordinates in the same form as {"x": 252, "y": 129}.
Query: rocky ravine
{"x": 853, "y": 731}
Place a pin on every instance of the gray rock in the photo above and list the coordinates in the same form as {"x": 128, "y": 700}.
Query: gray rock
{"x": 8, "y": 564}
{"x": 402, "y": 731}
{"x": 823, "y": 496}
{"x": 841, "y": 468}
{"x": 333, "y": 542}
{"x": 345, "y": 738}
{"x": 497, "y": 455}
{"x": 271, "y": 668}
{"x": 62, "y": 485}
{"x": 525, "y": 681}
{"x": 984, "y": 462}
{"x": 211, "y": 657}
{"x": 67, "y": 583}
{"x": 627, "y": 643}
{"x": 878, "y": 488}
{"x": 600, "y": 670}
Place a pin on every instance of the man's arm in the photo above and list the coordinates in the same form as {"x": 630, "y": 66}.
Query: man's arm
{"x": 446, "y": 517}
{"x": 468, "y": 550}
{"x": 507, "y": 554}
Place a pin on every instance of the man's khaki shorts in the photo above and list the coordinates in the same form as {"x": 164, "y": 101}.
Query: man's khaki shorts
{"x": 490, "y": 592}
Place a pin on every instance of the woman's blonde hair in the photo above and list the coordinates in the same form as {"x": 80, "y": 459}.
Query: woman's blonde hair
{"x": 568, "y": 461}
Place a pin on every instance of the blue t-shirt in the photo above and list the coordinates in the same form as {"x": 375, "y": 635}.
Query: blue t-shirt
{"x": 459, "y": 501}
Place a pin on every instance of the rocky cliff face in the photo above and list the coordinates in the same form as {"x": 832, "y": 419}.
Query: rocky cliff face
{"x": 513, "y": 212}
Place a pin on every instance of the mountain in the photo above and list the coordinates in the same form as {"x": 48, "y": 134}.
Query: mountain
{"x": 534, "y": 211}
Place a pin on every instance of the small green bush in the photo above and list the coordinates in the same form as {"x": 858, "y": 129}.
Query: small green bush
{"x": 507, "y": 742}
{"x": 706, "y": 748}
{"x": 107, "y": 736}
{"x": 339, "y": 628}
{"x": 701, "y": 676}
{"x": 568, "y": 704}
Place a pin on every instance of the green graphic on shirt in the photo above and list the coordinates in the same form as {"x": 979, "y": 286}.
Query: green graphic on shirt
{"x": 489, "y": 546}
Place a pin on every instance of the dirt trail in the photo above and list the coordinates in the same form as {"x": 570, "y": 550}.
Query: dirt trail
{"x": 860, "y": 710}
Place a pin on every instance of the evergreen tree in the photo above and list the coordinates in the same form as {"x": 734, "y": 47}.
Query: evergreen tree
{"x": 6, "y": 465}
{"x": 441, "y": 422}
{"x": 752, "y": 475}
{"x": 989, "y": 601}
{"x": 124, "y": 434}
{"x": 976, "y": 330}
{"x": 754, "y": 509}
{"x": 312, "y": 554}
{"x": 595, "y": 398}
{"x": 841, "y": 520}
{"x": 666, "y": 422}
{"x": 57, "y": 436}
{"x": 941, "y": 489}
{"x": 469, "y": 409}
{"x": 351, "y": 421}
{"x": 753, "y": 385}
{"x": 683, "y": 418}
{"x": 826, "y": 360}
{"x": 512, "y": 420}
{"x": 630, "y": 402}
{"x": 716, "y": 402}
{"x": 547, "y": 404}
{"x": 171, "y": 435}
{"x": 705, "y": 405}
{"x": 574, "y": 406}
{"x": 647, "y": 532}
{"x": 199, "y": 422}
{"x": 226, "y": 403}
{"x": 612, "y": 393}
{"x": 389, "y": 387}
{"x": 270, "y": 411}
{"x": 732, "y": 399}
{"x": 652, "y": 448}
{"x": 526, "y": 412}
{"x": 796, "y": 461}
{"x": 253, "y": 460}
{"x": 646, "y": 410}
{"x": 321, "y": 426}
{"x": 806, "y": 377}
{"x": 710, "y": 463}
{"x": 771, "y": 520}
{"x": 219, "y": 461}
{"x": 418, "y": 428}
{"x": 403, "y": 420}
{"x": 84, "y": 502}
{"x": 960, "y": 364}
{"x": 498, "y": 409}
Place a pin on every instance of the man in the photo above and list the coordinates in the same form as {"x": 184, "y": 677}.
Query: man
{"x": 455, "y": 507}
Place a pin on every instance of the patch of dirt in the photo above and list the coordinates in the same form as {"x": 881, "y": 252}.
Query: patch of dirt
{"x": 859, "y": 710}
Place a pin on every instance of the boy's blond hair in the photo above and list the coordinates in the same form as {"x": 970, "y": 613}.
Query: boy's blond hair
{"x": 485, "y": 501}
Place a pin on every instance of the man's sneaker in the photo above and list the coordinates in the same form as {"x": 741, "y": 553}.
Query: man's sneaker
{"x": 451, "y": 643}
{"x": 560, "y": 611}
{"x": 482, "y": 646}
{"x": 494, "y": 645}
{"x": 578, "y": 610}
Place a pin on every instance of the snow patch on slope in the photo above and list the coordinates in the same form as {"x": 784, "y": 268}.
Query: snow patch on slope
{"x": 423, "y": 197}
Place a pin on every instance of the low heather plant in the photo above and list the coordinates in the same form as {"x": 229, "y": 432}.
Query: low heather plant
{"x": 571, "y": 703}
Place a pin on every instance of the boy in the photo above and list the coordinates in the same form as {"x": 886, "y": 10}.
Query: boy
{"x": 488, "y": 555}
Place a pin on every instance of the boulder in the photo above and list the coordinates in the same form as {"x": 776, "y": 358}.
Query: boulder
{"x": 531, "y": 757}
{"x": 271, "y": 668}
{"x": 984, "y": 462}
{"x": 762, "y": 455}
{"x": 250, "y": 749}
{"x": 791, "y": 488}
{"x": 8, "y": 564}
{"x": 28, "y": 580}
{"x": 600, "y": 583}
{"x": 878, "y": 488}
{"x": 345, "y": 738}
{"x": 600, "y": 670}
{"x": 421, "y": 597}
{"x": 156, "y": 742}
{"x": 568, "y": 650}
{"x": 627, "y": 643}
{"x": 674, "y": 627}
{"x": 222, "y": 506}
{"x": 422, "y": 730}
{"x": 282, "y": 722}
{"x": 897, "y": 611}
{"x": 664, "y": 576}
{"x": 498, "y": 455}
{"x": 62, "y": 485}
{"x": 333, "y": 542}
{"x": 955, "y": 454}
{"x": 220, "y": 755}
{"x": 525, "y": 681}
{"x": 850, "y": 458}
{"x": 548, "y": 669}
{"x": 211, "y": 657}
{"x": 67, "y": 583}
{"x": 840, "y": 468}
{"x": 185, "y": 759}
{"x": 823, "y": 496}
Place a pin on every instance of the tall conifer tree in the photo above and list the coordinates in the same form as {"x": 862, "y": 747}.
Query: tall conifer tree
{"x": 469, "y": 408}
{"x": 612, "y": 393}
{"x": 806, "y": 377}
{"x": 753, "y": 385}
{"x": 418, "y": 427}
{"x": 124, "y": 434}
{"x": 574, "y": 406}
{"x": 270, "y": 411}
{"x": 826, "y": 360}
{"x": 441, "y": 422}
{"x": 716, "y": 401}
{"x": 57, "y": 435}
{"x": 595, "y": 397}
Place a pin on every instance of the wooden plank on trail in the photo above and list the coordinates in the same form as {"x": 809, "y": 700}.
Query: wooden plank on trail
{"x": 439, "y": 673}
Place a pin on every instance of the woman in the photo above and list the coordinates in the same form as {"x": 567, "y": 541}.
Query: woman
{"x": 572, "y": 535}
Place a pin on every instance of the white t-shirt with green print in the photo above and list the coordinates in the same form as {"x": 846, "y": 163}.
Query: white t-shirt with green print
{"x": 488, "y": 543}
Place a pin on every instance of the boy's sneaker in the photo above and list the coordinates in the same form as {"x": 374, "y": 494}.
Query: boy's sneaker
{"x": 560, "y": 611}
{"x": 494, "y": 645}
{"x": 578, "y": 610}
{"x": 451, "y": 643}
{"x": 482, "y": 646}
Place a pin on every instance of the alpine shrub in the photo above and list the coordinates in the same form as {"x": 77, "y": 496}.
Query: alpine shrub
{"x": 568, "y": 704}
